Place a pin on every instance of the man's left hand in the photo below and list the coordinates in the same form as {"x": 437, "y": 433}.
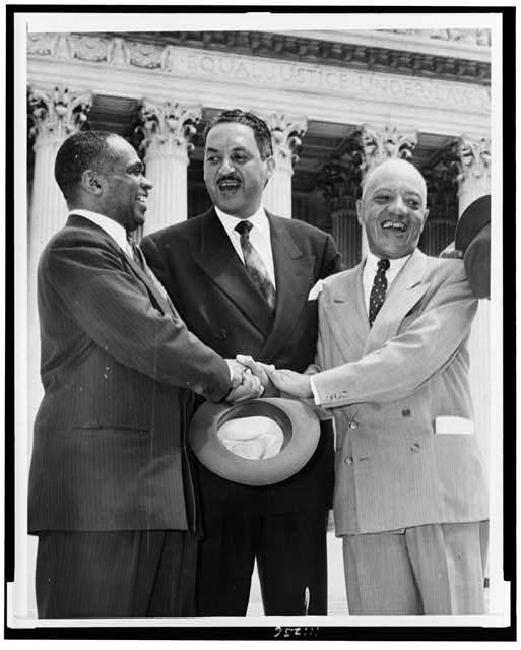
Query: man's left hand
{"x": 290, "y": 382}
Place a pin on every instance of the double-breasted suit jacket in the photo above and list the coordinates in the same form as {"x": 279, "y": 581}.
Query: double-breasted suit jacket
{"x": 117, "y": 366}
{"x": 216, "y": 297}
{"x": 396, "y": 464}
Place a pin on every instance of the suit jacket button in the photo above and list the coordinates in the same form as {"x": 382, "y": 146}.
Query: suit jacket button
{"x": 348, "y": 460}
{"x": 221, "y": 334}
{"x": 353, "y": 424}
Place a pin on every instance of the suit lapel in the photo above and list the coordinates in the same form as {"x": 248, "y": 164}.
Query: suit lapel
{"x": 78, "y": 220}
{"x": 218, "y": 259}
{"x": 293, "y": 279}
{"x": 347, "y": 315}
{"x": 405, "y": 291}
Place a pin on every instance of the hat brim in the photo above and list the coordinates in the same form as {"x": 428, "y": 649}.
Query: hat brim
{"x": 301, "y": 432}
{"x": 474, "y": 217}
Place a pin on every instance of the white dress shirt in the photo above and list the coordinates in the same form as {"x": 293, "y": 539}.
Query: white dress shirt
{"x": 111, "y": 227}
{"x": 370, "y": 268}
{"x": 259, "y": 237}
{"x": 369, "y": 272}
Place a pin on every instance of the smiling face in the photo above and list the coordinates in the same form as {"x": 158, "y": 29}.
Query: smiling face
{"x": 393, "y": 209}
{"x": 126, "y": 188}
{"x": 234, "y": 171}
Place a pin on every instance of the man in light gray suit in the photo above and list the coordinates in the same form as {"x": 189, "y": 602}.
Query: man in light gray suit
{"x": 392, "y": 363}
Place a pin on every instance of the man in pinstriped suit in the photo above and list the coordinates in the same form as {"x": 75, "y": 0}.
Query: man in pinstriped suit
{"x": 110, "y": 490}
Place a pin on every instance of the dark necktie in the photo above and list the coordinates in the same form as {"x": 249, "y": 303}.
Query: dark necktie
{"x": 137, "y": 254}
{"x": 254, "y": 264}
{"x": 139, "y": 259}
{"x": 378, "y": 291}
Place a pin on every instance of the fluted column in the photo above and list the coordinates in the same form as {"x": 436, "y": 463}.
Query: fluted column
{"x": 54, "y": 116}
{"x": 166, "y": 130}
{"x": 378, "y": 145}
{"x": 474, "y": 166}
{"x": 286, "y": 138}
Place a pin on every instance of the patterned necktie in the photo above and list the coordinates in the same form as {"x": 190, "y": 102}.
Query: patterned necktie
{"x": 378, "y": 291}
{"x": 139, "y": 259}
{"x": 137, "y": 254}
{"x": 254, "y": 264}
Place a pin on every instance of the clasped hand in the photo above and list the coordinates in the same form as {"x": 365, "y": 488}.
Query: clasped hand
{"x": 273, "y": 380}
{"x": 245, "y": 384}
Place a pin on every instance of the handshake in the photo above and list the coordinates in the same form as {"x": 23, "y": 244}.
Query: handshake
{"x": 252, "y": 379}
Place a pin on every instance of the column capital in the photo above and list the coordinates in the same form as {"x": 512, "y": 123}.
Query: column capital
{"x": 473, "y": 158}
{"x": 473, "y": 161}
{"x": 286, "y": 135}
{"x": 380, "y": 144}
{"x": 166, "y": 128}
{"x": 58, "y": 113}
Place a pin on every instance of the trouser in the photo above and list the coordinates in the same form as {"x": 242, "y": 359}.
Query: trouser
{"x": 431, "y": 569}
{"x": 291, "y": 555}
{"x": 115, "y": 574}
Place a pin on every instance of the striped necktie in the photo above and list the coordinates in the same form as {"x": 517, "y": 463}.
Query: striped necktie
{"x": 254, "y": 264}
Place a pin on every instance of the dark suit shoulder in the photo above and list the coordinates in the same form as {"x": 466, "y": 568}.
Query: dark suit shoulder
{"x": 302, "y": 228}
{"x": 188, "y": 228}
{"x": 91, "y": 236}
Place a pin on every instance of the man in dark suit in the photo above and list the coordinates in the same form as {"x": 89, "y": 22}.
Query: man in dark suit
{"x": 110, "y": 489}
{"x": 241, "y": 279}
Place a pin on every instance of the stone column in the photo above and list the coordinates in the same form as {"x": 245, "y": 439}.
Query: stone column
{"x": 54, "y": 116}
{"x": 286, "y": 137}
{"x": 166, "y": 130}
{"x": 474, "y": 180}
{"x": 379, "y": 145}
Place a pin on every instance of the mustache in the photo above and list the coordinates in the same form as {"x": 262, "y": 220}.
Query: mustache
{"x": 228, "y": 177}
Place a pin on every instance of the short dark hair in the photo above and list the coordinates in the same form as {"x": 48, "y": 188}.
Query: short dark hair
{"x": 78, "y": 153}
{"x": 260, "y": 128}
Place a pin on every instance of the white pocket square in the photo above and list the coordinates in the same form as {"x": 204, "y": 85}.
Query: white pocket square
{"x": 453, "y": 425}
{"x": 315, "y": 290}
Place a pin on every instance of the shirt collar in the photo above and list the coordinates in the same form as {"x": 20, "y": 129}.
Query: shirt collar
{"x": 258, "y": 219}
{"x": 111, "y": 227}
{"x": 394, "y": 265}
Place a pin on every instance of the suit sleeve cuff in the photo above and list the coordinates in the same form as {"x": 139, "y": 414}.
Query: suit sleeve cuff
{"x": 316, "y": 396}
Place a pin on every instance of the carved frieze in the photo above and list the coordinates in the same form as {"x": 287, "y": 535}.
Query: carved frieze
{"x": 473, "y": 36}
{"x": 154, "y": 51}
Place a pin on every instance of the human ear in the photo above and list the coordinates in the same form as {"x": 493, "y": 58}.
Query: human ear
{"x": 93, "y": 182}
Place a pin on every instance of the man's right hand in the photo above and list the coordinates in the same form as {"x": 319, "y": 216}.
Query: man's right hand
{"x": 237, "y": 371}
{"x": 250, "y": 388}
